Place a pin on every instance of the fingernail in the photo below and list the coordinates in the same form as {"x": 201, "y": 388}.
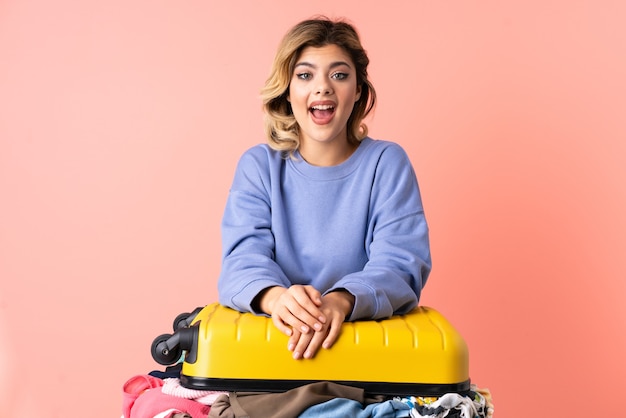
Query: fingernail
{"x": 304, "y": 328}
{"x": 317, "y": 326}
{"x": 322, "y": 319}
{"x": 307, "y": 354}
{"x": 291, "y": 347}
{"x": 296, "y": 355}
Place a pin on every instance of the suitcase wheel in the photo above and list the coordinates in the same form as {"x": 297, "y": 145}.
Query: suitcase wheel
{"x": 163, "y": 353}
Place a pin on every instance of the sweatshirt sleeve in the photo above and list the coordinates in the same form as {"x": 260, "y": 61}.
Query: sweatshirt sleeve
{"x": 398, "y": 247}
{"x": 248, "y": 264}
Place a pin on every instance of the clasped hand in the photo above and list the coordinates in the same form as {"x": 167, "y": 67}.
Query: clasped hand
{"x": 309, "y": 319}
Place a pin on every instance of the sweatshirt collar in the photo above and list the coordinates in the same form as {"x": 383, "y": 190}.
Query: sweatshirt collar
{"x": 333, "y": 172}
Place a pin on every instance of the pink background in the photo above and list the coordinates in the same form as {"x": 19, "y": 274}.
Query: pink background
{"x": 121, "y": 123}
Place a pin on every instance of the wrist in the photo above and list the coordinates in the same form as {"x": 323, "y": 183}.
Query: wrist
{"x": 345, "y": 300}
{"x": 267, "y": 297}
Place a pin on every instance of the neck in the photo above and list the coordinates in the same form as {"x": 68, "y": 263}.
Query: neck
{"x": 327, "y": 154}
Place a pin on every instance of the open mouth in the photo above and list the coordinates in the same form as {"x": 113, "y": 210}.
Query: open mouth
{"x": 322, "y": 112}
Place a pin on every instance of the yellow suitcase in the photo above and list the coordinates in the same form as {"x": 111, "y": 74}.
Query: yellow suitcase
{"x": 417, "y": 354}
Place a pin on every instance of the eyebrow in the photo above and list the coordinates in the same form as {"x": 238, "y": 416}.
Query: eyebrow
{"x": 332, "y": 65}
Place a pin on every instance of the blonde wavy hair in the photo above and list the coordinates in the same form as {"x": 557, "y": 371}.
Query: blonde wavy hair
{"x": 281, "y": 127}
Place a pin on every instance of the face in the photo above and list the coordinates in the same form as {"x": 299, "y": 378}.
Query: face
{"x": 322, "y": 93}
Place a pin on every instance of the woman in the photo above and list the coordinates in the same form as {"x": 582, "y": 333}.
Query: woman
{"x": 323, "y": 224}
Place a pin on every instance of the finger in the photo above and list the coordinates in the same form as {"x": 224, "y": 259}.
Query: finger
{"x": 304, "y": 309}
{"x": 302, "y": 345}
{"x": 313, "y": 294}
{"x": 293, "y": 340}
{"x": 282, "y": 326}
{"x": 333, "y": 333}
{"x": 315, "y": 344}
{"x": 316, "y": 297}
{"x": 288, "y": 323}
{"x": 289, "y": 312}
{"x": 307, "y": 296}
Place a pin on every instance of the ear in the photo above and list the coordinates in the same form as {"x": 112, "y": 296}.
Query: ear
{"x": 358, "y": 93}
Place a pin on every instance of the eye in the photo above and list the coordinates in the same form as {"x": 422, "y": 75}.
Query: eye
{"x": 339, "y": 76}
{"x": 304, "y": 76}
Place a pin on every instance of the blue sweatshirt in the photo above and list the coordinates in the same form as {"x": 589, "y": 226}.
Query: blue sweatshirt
{"x": 357, "y": 226}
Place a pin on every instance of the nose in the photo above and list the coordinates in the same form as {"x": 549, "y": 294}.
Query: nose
{"x": 323, "y": 86}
